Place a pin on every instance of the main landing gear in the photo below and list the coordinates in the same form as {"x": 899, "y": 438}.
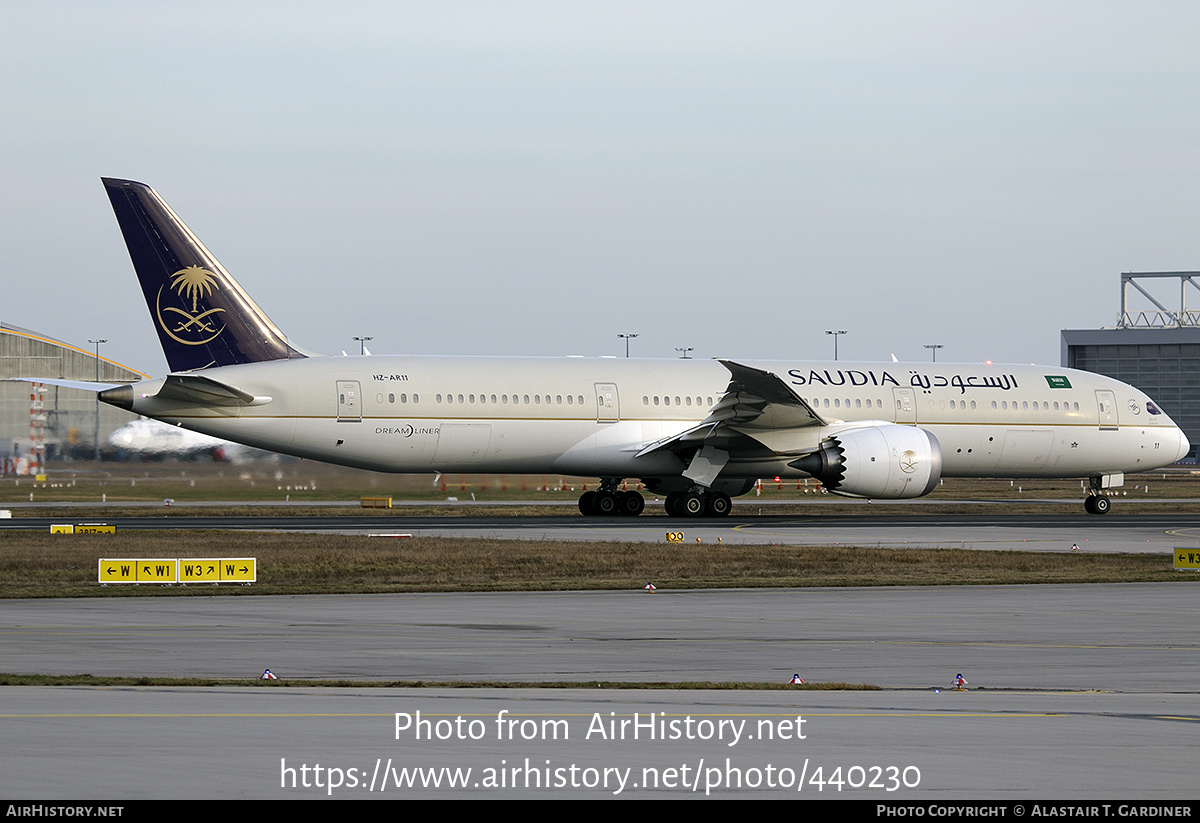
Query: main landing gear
{"x": 610, "y": 501}
{"x": 1096, "y": 504}
{"x": 698, "y": 503}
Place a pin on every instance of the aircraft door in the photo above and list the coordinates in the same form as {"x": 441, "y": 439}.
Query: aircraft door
{"x": 349, "y": 404}
{"x": 906, "y": 406}
{"x": 608, "y": 406}
{"x": 1106, "y": 407}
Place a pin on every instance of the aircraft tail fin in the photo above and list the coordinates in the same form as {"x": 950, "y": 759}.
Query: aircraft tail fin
{"x": 203, "y": 317}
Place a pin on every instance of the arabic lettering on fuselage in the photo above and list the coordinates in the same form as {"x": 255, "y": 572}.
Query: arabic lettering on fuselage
{"x": 919, "y": 380}
{"x": 1004, "y": 382}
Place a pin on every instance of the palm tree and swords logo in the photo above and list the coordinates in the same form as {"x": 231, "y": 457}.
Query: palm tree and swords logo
{"x": 192, "y": 283}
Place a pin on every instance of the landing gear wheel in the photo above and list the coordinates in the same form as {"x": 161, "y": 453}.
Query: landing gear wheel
{"x": 718, "y": 505}
{"x": 1097, "y": 504}
{"x": 630, "y": 504}
{"x": 691, "y": 504}
{"x": 586, "y": 501}
{"x": 671, "y": 504}
{"x": 605, "y": 503}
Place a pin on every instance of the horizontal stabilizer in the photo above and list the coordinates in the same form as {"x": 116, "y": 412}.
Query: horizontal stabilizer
{"x": 193, "y": 389}
{"x": 196, "y": 388}
{"x": 82, "y": 385}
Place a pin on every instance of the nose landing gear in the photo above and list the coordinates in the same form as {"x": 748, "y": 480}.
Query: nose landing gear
{"x": 1097, "y": 501}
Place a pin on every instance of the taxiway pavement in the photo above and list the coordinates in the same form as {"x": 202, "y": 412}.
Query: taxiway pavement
{"x": 984, "y": 529}
{"x": 1074, "y": 692}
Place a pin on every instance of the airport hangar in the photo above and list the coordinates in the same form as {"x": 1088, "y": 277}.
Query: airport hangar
{"x": 39, "y": 423}
{"x": 1157, "y": 350}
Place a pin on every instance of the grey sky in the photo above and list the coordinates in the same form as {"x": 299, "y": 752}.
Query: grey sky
{"x": 533, "y": 178}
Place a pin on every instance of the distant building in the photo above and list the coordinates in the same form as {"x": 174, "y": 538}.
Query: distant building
{"x": 1157, "y": 350}
{"x": 63, "y": 423}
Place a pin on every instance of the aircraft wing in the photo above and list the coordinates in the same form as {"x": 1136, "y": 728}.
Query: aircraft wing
{"x": 760, "y": 400}
{"x": 755, "y": 401}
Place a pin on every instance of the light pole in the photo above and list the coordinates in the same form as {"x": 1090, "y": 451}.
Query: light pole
{"x": 684, "y": 352}
{"x": 836, "y": 335}
{"x": 362, "y": 344}
{"x": 933, "y": 347}
{"x": 627, "y": 337}
{"x": 96, "y": 430}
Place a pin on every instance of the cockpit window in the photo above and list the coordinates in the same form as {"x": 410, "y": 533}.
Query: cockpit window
{"x": 1153, "y": 409}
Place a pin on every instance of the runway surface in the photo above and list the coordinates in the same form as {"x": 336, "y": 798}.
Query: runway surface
{"x": 985, "y": 529}
{"x": 1026, "y": 637}
{"x": 1074, "y": 692}
{"x": 897, "y": 747}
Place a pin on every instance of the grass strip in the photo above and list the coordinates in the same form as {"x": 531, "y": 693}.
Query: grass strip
{"x": 36, "y": 564}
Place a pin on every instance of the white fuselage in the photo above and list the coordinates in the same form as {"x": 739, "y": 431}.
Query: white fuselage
{"x": 592, "y": 417}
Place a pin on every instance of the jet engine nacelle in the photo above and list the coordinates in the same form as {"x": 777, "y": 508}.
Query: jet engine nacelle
{"x": 884, "y": 461}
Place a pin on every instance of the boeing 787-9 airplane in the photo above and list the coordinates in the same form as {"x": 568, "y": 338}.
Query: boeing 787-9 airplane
{"x": 699, "y": 432}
